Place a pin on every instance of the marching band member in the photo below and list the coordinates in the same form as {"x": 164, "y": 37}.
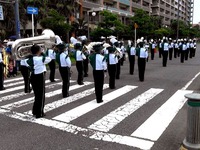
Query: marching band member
{"x": 171, "y": 47}
{"x": 142, "y": 54}
{"x": 119, "y": 55}
{"x": 152, "y": 49}
{"x": 25, "y": 71}
{"x": 86, "y": 53}
{"x": 183, "y": 48}
{"x": 195, "y": 46}
{"x": 165, "y": 52}
{"x": 98, "y": 64}
{"x": 52, "y": 65}
{"x": 1, "y": 72}
{"x": 123, "y": 50}
{"x": 176, "y": 49}
{"x": 64, "y": 62}
{"x": 191, "y": 48}
{"x": 79, "y": 56}
{"x": 37, "y": 64}
{"x": 131, "y": 56}
{"x": 112, "y": 61}
{"x": 160, "y": 48}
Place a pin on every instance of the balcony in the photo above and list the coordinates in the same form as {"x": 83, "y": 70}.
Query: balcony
{"x": 126, "y": 2}
{"x": 90, "y": 5}
{"x": 136, "y": 5}
{"x": 119, "y": 11}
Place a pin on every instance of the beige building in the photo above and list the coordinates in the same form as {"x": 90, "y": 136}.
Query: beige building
{"x": 166, "y": 9}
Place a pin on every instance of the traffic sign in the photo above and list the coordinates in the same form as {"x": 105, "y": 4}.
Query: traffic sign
{"x": 1, "y": 13}
{"x": 32, "y": 10}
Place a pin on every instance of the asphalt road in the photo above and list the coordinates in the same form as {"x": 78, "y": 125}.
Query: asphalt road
{"x": 136, "y": 115}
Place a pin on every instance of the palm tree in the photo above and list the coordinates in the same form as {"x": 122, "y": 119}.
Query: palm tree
{"x": 80, "y": 26}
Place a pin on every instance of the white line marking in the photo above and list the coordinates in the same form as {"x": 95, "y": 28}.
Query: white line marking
{"x": 190, "y": 82}
{"x": 85, "y": 108}
{"x": 17, "y": 88}
{"x": 14, "y": 79}
{"x": 156, "y": 124}
{"x": 112, "y": 119}
{"x": 119, "y": 139}
{"x": 49, "y": 94}
{"x": 19, "y": 94}
{"x": 13, "y": 84}
{"x": 70, "y": 99}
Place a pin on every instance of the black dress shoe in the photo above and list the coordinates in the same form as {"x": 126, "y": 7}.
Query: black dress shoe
{"x": 3, "y": 88}
{"x": 40, "y": 116}
{"x": 86, "y": 75}
{"x": 100, "y": 101}
{"x": 53, "y": 80}
{"x": 80, "y": 83}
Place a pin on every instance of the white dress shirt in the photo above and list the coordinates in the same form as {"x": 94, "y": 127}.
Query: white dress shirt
{"x": 100, "y": 62}
{"x": 65, "y": 60}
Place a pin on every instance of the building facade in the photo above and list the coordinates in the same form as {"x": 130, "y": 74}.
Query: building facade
{"x": 167, "y": 9}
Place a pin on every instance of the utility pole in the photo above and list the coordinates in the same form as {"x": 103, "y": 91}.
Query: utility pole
{"x": 177, "y": 30}
{"x": 17, "y": 21}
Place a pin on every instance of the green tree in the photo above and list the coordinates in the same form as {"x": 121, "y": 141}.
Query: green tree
{"x": 144, "y": 22}
{"x": 56, "y": 22}
{"x": 110, "y": 25}
{"x": 80, "y": 27}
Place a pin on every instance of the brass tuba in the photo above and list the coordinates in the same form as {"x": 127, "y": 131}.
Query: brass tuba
{"x": 21, "y": 48}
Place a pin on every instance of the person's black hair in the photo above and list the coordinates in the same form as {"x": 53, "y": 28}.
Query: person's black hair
{"x": 35, "y": 49}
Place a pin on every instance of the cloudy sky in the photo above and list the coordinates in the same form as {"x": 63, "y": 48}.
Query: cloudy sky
{"x": 196, "y": 17}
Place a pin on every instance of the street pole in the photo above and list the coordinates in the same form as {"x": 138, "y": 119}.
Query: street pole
{"x": 32, "y": 25}
{"x": 177, "y": 30}
{"x": 88, "y": 25}
{"x": 17, "y": 21}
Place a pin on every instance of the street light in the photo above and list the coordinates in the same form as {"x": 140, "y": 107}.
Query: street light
{"x": 93, "y": 14}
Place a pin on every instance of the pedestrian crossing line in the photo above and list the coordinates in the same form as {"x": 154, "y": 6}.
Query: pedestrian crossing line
{"x": 13, "y": 84}
{"x": 49, "y": 94}
{"x": 19, "y": 94}
{"x": 12, "y": 80}
{"x": 87, "y": 107}
{"x": 70, "y": 99}
{"x": 16, "y": 88}
{"x": 113, "y": 118}
{"x": 156, "y": 124}
{"x": 73, "y": 129}
{"x": 20, "y": 82}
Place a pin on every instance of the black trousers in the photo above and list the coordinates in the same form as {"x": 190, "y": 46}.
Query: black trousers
{"x": 165, "y": 56}
{"x": 131, "y": 63}
{"x": 79, "y": 67}
{"x": 176, "y": 52}
{"x": 85, "y": 66}
{"x": 38, "y": 85}
{"x": 191, "y": 52}
{"x": 112, "y": 74}
{"x": 160, "y": 52}
{"x": 1, "y": 75}
{"x": 52, "y": 67}
{"x": 118, "y": 69}
{"x": 170, "y": 53}
{"x": 65, "y": 75}
{"x": 186, "y": 54}
{"x": 182, "y": 56}
{"x": 98, "y": 76}
{"x": 25, "y": 71}
{"x": 152, "y": 54}
{"x": 141, "y": 68}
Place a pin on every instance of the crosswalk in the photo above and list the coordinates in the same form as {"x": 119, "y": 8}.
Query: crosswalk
{"x": 144, "y": 137}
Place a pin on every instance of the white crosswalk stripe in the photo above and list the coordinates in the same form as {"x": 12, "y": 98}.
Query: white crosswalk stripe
{"x": 85, "y": 108}
{"x": 116, "y": 116}
{"x": 144, "y": 137}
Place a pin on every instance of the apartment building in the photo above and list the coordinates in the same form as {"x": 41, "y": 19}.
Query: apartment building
{"x": 166, "y": 9}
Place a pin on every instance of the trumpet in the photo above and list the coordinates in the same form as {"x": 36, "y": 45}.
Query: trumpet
{"x": 22, "y": 47}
